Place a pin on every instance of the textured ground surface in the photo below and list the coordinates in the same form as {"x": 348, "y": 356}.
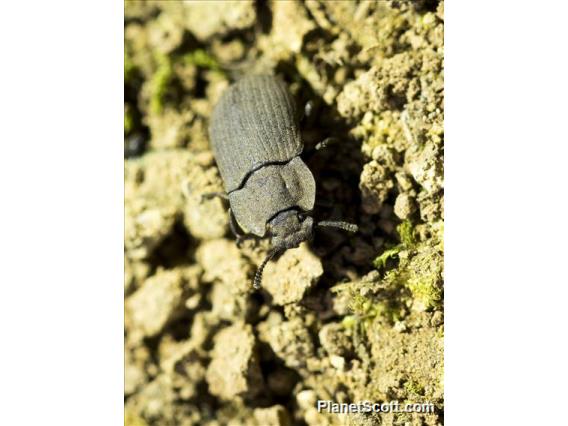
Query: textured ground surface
{"x": 344, "y": 318}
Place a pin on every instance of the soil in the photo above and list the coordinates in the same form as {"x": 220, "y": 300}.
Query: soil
{"x": 346, "y": 318}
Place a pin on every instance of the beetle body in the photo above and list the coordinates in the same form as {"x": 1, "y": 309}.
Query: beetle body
{"x": 256, "y": 140}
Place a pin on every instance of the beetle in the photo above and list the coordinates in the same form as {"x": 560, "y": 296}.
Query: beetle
{"x": 255, "y": 136}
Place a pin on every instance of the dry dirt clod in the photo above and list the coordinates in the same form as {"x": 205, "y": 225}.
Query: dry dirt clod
{"x": 234, "y": 369}
{"x": 272, "y": 416}
{"x": 222, "y": 260}
{"x": 206, "y": 19}
{"x": 292, "y": 275}
{"x": 159, "y": 301}
{"x": 375, "y": 186}
{"x": 404, "y": 206}
{"x": 425, "y": 166}
{"x": 334, "y": 340}
{"x": 290, "y": 341}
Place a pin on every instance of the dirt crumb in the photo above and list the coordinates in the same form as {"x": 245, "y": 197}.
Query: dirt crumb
{"x": 272, "y": 416}
{"x": 290, "y": 340}
{"x": 205, "y": 19}
{"x": 295, "y": 272}
{"x": 234, "y": 369}
{"x": 222, "y": 260}
{"x": 375, "y": 186}
{"x": 160, "y": 300}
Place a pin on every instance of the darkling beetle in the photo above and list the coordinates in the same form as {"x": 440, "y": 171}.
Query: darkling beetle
{"x": 256, "y": 141}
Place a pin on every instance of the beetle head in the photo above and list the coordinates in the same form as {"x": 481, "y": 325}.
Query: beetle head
{"x": 290, "y": 228}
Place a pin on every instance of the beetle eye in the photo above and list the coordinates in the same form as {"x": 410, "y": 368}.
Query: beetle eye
{"x": 301, "y": 216}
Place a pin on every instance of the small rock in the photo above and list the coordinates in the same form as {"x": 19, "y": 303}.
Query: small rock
{"x": 426, "y": 167}
{"x": 431, "y": 206}
{"x": 290, "y": 277}
{"x": 134, "y": 373}
{"x": 206, "y": 218}
{"x": 404, "y": 181}
{"x": 290, "y": 341}
{"x": 234, "y": 369}
{"x": 155, "y": 401}
{"x": 164, "y": 33}
{"x": 272, "y": 416}
{"x": 205, "y": 324}
{"x": 222, "y": 260}
{"x": 362, "y": 419}
{"x": 385, "y": 156}
{"x": 437, "y": 319}
{"x": 134, "y": 274}
{"x": 182, "y": 363}
{"x": 306, "y": 399}
{"x": 159, "y": 301}
{"x": 334, "y": 340}
{"x": 205, "y": 19}
{"x": 153, "y": 198}
{"x": 375, "y": 185}
{"x": 404, "y": 206}
{"x": 229, "y": 305}
{"x": 400, "y": 326}
{"x": 338, "y": 362}
{"x": 359, "y": 96}
{"x": 170, "y": 129}
{"x": 290, "y": 24}
{"x": 144, "y": 231}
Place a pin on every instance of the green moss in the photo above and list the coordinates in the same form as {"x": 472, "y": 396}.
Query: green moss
{"x": 406, "y": 232}
{"x": 349, "y": 322}
{"x": 407, "y": 241}
{"x": 163, "y": 77}
{"x": 367, "y": 310}
{"x": 388, "y": 310}
{"x": 381, "y": 261}
{"x": 425, "y": 277}
{"x": 419, "y": 269}
{"x": 200, "y": 58}
{"x": 426, "y": 290}
{"x": 360, "y": 305}
{"x": 381, "y": 129}
{"x": 414, "y": 388}
{"x": 159, "y": 83}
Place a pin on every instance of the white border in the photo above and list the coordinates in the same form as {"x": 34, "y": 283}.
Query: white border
{"x": 61, "y": 236}
{"x": 506, "y": 235}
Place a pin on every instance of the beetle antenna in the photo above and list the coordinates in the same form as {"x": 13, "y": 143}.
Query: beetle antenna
{"x": 346, "y": 226}
{"x": 258, "y": 276}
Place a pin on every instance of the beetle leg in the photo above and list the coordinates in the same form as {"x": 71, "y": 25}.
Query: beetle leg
{"x": 210, "y": 195}
{"x": 308, "y": 114}
{"x": 234, "y": 229}
{"x": 308, "y": 110}
{"x": 319, "y": 146}
{"x": 326, "y": 142}
{"x": 233, "y": 225}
